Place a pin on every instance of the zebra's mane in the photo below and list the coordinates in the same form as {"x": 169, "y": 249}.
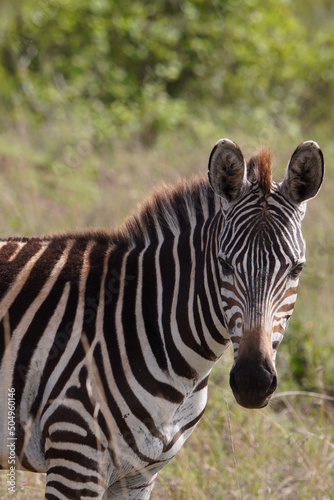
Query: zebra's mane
{"x": 173, "y": 208}
{"x": 259, "y": 169}
{"x": 170, "y": 208}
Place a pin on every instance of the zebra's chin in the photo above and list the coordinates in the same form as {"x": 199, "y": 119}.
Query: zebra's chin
{"x": 252, "y": 403}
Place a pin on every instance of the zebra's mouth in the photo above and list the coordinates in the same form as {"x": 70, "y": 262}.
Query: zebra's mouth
{"x": 252, "y": 403}
{"x": 253, "y": 385}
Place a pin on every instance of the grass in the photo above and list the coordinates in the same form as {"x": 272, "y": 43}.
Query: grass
{"x": 60, "y": 181}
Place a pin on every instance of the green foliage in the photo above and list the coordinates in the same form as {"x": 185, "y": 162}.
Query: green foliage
{"x": 150, "y": 67}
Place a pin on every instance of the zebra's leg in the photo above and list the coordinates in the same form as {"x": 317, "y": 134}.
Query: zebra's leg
{"x": 60, "y": 485}
{"x": 73, "y": 475}
{"x": 137, "y": 487}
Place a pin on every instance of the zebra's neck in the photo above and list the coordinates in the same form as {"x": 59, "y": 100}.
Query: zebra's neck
{"x": 173, "y": 254}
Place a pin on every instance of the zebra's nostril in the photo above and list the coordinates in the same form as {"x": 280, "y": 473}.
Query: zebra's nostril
{"x": 273, "y": 385}
{"x": 233, "y": 383}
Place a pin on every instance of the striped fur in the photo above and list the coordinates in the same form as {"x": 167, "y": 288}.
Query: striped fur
{"x": 109, "y": 338}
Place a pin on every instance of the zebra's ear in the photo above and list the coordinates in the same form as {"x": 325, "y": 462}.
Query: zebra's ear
{"x": 227, "y": 170}
{"x": 304, "y": 174}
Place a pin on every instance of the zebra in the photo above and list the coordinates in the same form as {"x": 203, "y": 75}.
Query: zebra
{"x": 108, "y": 338}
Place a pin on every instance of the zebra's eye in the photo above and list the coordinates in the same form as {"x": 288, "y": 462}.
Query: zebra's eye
{"x": 226, "y": 266}
{"x": 296, "y": 270}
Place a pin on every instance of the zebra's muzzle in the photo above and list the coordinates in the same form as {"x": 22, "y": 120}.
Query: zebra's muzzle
{"x": 253, "y": 384}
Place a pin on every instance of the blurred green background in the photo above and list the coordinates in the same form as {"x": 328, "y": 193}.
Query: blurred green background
{"x": 100, "y": 100}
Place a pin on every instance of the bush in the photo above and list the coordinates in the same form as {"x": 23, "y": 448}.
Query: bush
{"x": 150, "y": 67}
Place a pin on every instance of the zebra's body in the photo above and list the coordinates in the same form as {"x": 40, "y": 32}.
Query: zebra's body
{"x": 109, "y": 338}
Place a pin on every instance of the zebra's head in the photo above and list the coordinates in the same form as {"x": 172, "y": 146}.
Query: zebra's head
{"x": 261, "y": 254}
